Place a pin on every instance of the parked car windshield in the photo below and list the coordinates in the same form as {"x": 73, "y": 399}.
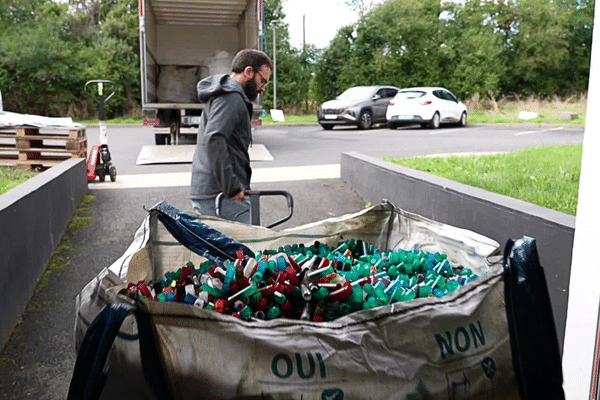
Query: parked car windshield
{"x": 356, "y": 93}
{"x": 412, "y": 94}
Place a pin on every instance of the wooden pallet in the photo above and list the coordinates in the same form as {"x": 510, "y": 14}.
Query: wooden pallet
{"x": 28, "y": 148}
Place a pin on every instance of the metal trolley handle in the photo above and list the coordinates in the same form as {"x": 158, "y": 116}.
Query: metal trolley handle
{"x": 255, "y": 196}
{"x": 102, "y": 99}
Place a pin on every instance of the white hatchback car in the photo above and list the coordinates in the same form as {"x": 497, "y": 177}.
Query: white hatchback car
{"x": 427, "y": 106}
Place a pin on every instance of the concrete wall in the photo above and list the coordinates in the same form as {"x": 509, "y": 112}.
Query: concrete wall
{"x": 33, "y": 218}
{"x": 495, "y": 216}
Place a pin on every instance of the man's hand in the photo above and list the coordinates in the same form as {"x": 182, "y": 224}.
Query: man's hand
{"x": 239, "y": 196}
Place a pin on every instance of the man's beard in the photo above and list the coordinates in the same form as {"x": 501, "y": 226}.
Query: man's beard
{"x": 251, "y": 89}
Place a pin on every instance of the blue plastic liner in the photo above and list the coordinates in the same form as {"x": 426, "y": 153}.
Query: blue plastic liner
{"x": 534, "y": 343}
{"x": 198, "y": 236}
{"x": 88, "y": 375}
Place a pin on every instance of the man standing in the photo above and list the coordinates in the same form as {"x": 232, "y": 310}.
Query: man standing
{"x": 221, "y": 162}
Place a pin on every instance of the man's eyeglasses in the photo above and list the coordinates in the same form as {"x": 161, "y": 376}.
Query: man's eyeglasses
{"x": 263, "y": 81}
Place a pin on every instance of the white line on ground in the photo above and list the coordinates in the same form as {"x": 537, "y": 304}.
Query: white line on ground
{"x": 259, "y": 175}
{"x": 438, "y": 131}
{"x": 525, "y": 133}
{"x": 539, "y": 131}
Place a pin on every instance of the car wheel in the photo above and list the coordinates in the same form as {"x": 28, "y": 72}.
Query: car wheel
{"x": 364, "y": 120}
{"x": 392, "y": 126}
{"x": 463, "y": 119}
{"x": 327, "y": 127}
{"x": 435, "y": 121}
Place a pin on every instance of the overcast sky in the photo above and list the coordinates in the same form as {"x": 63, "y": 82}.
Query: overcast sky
{"x": 323, "y": 19}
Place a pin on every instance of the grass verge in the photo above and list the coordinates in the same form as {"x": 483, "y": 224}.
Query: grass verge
{"x": 11, "y": 177}
{"x": 507, "y": 109}
{"x": 547, "y": 176}
{"x": 114, "y": 121}
{"x": 481, "y": 117}
{"x": 292, "y": 119}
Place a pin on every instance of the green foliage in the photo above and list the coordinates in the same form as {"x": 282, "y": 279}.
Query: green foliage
{"x": 329, "y": 79}
{"x": 45, "y": 63}
{"x": 537, "y": 52}
{"x": 476, "y": 48}
{"x": 578, "y": 24}
{"x": 294, "y": 66}
{"x": 16, "y": 13}
{"x": 473, "y": 49}
{"x": 36, "y": 71}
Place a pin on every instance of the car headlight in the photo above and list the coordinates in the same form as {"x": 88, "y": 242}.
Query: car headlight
{"x": 350, "y": 112}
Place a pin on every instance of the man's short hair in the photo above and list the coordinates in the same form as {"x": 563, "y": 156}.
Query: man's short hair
{"x": 250, "y": 58}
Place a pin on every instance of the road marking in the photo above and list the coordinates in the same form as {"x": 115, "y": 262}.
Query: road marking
{"x": 437, "y": 131}
{"x": 259, "y": 175}
{"x": 466, "y": 128}
{"x": 525, "y": 133}
{"x": 539, "y": 131}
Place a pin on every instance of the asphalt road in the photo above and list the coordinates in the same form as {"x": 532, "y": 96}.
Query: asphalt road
{"x": 293, "y": 145}
{"x": 38, "y": 360}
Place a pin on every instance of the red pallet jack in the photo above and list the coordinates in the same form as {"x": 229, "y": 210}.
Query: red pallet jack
{"x": 99, "y": 160}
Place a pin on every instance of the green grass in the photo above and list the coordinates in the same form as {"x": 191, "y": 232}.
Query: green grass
{"x": 82, "y": 217}
{"x": 11, "y": 177}
{"x": 507, "y": 110}
{"x": 546, "y": 176}
{"x": 115, "y": 121}
{"x": 482, "y": 117}
{"x": 292, "y": 119}
{"x": 60, "y": 262}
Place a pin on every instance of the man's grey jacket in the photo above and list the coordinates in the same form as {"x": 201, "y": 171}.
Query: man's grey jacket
{"x": 221, "y": 161}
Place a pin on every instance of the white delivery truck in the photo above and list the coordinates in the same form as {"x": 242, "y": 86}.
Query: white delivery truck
{"x": 183, "y": 41}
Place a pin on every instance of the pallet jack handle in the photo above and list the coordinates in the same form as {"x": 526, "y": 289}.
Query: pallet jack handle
{"x": 255, "y": 196}
{"x": 101, "y": 100}
{"x": 99, "y": 159}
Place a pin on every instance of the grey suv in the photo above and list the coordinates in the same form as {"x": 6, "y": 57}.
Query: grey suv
{"x": 362, "y": 106}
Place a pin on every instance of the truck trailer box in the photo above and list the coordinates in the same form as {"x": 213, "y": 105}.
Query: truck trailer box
{"x": 182, "y": 42}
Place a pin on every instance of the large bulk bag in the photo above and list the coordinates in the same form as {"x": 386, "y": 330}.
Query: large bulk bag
{"x": 469, "y": 344}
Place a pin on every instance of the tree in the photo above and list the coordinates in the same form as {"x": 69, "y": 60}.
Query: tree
{"x": 36, "y": 65}
{"x": 360, "y": 6}
{"x": 16, "y": 13}
{"x": 116, "y": 55}
{"x": 294, "y": 66}
{"x": 474, "y": 48}
{"x": 536, "y": 49}
{"x": 45, "y": 63}
{"x": 579, "y": 23}
{"x": 49, "y": 49}
{"x": 396, "y": 43}
{"x": 96, "y": 10}
{"x": 330, "y": 66}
